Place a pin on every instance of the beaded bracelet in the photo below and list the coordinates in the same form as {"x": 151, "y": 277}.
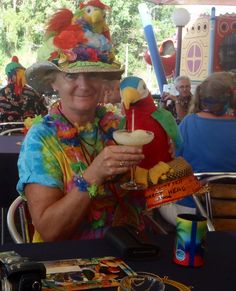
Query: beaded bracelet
{"x": 84, "y": 186}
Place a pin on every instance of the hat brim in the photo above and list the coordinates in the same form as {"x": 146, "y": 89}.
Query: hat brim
{"x": 35, "y": 74}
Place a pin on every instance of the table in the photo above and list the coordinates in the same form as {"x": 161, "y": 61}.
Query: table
{"x": 9, "y": 151}
{"x": 218, "y": 272}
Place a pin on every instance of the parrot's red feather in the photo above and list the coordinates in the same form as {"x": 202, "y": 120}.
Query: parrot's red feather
{"x": 59, "y": 21}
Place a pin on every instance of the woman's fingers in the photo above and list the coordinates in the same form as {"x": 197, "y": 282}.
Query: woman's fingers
{"x": 114, "y": 160}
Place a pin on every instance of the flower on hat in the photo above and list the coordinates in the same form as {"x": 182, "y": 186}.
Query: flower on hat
{"x": 68, "y": 38}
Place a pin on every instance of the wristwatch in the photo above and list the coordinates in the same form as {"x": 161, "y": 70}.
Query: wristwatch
{"x": 84, "y": 186}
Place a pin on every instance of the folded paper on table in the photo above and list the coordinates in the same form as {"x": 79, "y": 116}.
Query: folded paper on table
{"x": 171, "y": 191}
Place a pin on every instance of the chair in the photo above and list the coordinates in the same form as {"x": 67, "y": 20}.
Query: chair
{"x": 2, "y": 224}
{"x": 12, "y": 131}
{"x": 19, "y": 221}
{"x": 218, "y": 204}
{"x": 220, "y": 200}
{"x": 9, "y": 128}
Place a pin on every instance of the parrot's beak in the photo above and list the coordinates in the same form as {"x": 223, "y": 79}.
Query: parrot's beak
{"x": 130, "y": 96}
{"x": 97, "y": 16}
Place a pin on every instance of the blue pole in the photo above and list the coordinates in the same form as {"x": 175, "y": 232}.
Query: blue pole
{"x": 152, "y": 45}
{"x": 211, "y": 50}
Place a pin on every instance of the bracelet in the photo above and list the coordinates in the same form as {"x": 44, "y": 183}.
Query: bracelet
{"x": 84, "y": 186}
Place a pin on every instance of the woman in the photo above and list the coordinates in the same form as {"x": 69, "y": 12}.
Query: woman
{"x": 208, "y": 132}
{"x": 209, "y": 140}
{"x": 69, "y": 165}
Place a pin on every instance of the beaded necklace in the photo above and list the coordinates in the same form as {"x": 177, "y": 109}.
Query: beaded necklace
{"x": 88, "y": 140}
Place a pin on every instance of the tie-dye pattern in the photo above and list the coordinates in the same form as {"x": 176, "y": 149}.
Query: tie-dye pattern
{"x": 51, "y": 155}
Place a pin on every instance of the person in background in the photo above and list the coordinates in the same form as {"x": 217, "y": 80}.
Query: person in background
{"x": 17, "y": 100}
{"x": 209, "y": 139}
{"x": 178, "y": 105}
{"x": 112, "y": 92}
{"x": 69, "y": 166}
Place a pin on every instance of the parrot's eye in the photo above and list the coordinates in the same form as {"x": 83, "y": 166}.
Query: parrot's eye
{"x": 144, "y": 87}
{"x": 89, "y": 10}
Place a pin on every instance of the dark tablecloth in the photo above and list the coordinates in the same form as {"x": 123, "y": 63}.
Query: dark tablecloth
{"x": 217, "y": 274}
{"x": 9, "y": 151}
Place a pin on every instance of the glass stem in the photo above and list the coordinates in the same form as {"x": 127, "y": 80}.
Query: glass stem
{"x": 132, "y": 173}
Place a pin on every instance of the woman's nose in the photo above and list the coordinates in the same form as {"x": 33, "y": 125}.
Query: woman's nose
{"x": 82, "y": 81}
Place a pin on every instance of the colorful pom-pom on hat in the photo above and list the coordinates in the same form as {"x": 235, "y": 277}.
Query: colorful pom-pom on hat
{"x": 75, "y": 43}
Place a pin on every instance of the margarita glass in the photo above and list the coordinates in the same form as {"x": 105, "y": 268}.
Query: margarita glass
{"x": 138, "y": 138}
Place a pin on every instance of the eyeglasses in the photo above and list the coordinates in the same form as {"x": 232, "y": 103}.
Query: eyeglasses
{"x": 184, "y": 87}
{"x": 72, "y": 77}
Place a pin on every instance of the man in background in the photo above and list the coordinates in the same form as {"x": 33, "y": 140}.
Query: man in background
{"x": 111, "y": 90}
{"x": 17, "y": 100}
{"x": 178, "y": 104}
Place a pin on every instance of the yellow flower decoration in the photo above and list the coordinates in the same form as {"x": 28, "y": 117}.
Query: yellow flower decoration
{"x": 28, "y": 122}
{"x": 112, "y": 108}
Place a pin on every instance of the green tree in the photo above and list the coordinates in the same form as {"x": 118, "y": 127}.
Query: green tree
{"x": 127, "y": 31}
{"x": 22, "y": 28}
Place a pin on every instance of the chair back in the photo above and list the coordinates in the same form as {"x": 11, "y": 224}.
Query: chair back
{"x": 221, "y": 199}
{"x": 19, "y": 221}
{"x": 11, "y": 128}
{"x": 12, "y": 131}
{"x": 218, "y": 204}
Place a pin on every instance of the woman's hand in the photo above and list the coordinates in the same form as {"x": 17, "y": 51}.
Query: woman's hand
{"x": 112, "y": 160}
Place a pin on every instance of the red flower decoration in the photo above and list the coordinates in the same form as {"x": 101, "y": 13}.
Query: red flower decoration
{"x": 69, "y": 38}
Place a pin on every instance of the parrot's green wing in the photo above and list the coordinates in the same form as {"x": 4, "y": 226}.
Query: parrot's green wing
{"x": 169, "y": 124}
{"x": 79, "y": 13}
{"x": 122, "y": 123}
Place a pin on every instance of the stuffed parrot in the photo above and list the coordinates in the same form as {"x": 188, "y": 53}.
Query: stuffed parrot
{"x": 94, "y": 14}
{"x": 87, "y": 26}
{"x": 137, "y": 101}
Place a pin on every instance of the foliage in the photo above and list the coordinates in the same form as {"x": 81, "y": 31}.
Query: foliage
{"x": 22, "y": 27}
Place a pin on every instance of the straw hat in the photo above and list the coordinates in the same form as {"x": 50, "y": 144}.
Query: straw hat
{"x": 75, "y": 43}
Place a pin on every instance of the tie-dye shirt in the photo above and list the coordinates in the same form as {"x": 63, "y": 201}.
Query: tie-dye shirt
{"x": 53, "y": 152}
